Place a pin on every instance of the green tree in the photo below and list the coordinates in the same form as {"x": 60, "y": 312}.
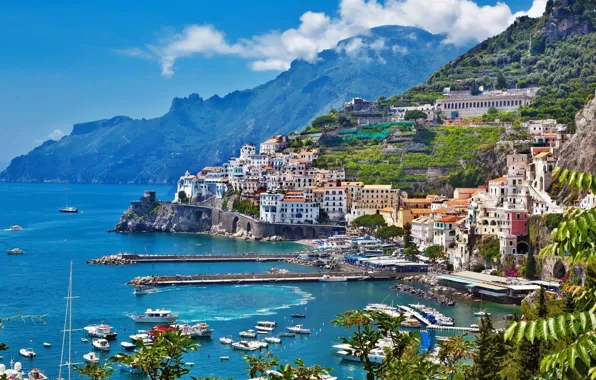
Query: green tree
{"x": 501, "y": 82}
{"x": 411, "y": 253}
{"x": 414, "y": 115}
{"x": 408, "y": 242}
{"x": 371, "y": 222}
{"x": 95, "y": 371}
{"x": 182, "y": 197}
{"x": 453, "y": 351}
{"x": 492, "y": 111}
{"x": 164, "y": 360}
{"x": 531, "y": 266}
{"x": 434, "y": 252}
{"x": 389, "y": 232}
{"x": 297, "y": 143}
{"x": 490, "y": 352}
{"x": 259, "y": 365}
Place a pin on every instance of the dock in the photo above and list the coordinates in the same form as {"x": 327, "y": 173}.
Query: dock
{"x": 431, "y": 326}
{"x": 252, "y": 278}
{"x": 133, "y": 258}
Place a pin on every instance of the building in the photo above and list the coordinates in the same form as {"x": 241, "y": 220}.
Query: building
{"x": 274, "y": 145}
{"x": 334, "y": 202}
{"x": 444, "y": 231}
{"x": 423, "y": 232}
{"x": 463, "y": 104}
{"x": 291, "y": 208}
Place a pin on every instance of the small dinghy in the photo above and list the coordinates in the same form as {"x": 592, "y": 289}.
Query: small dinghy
{"x": 27, "y": 352}
{"x": 47, "y": 345}
{"x": 222, "y": 358}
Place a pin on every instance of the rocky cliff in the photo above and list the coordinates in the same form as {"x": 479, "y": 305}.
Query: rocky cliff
{"x": 147, "y": 216}
{"x": 580, "y": 152}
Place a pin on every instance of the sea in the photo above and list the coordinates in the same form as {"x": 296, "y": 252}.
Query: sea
{"x": 33, "y": 286}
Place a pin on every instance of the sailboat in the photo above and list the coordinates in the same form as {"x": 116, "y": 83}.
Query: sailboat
{"x": 66, "y": 209}
{"x": 67, "y": 334}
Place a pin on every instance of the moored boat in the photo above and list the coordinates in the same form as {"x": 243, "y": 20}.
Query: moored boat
{"x": 482, "y": 313}
{"x": 27, "y": 352}
{"x": 36, "y": 374}
{"x": 327, "y": 278}
{"x": 222, "y": 358}
{"x": 248, "y": 334}
{"x": 264, "y": 328}
{"x": 287, "y": 335}
{"x": 128, "y": 346}
{"x": 91, "y": 357}
{"x": 141, "y": 290}
{"x": 101, "y": 344}
{"x": 101, "y": 331}
{"x": 224, "y": 340}
{"x": 133, "y": 369}
{"x": 69, "y": 210}
{"x": 47, "y": 345}
{"x": 298, "y": 315}
{"x": 411, "y": 322}
{"x": 16, "y": 228}
{"x": 15, "y": 251}
{"x": 267, "y": 324}
{"x": 155, "y": 316}
{"x": 199, "y": 330}
{"x": 243, "y": 346}
{"x": 84, "y": 340}
{"x": 272, "y": 339}
{"x": 298, "y": 329}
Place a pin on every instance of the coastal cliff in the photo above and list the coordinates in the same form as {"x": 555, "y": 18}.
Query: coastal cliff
{"x": 148, "y": 215}
{"x": 580, "y": 152}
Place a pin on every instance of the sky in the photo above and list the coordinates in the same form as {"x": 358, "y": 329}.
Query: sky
{"x": 77, "y": 61}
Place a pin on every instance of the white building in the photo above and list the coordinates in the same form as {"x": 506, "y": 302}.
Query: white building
{"x": 444, "y": 231}
{"x": 423, "y": 232}
{"x": 289, "y": 209}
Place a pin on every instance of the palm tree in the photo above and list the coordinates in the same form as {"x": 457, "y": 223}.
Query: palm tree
{"x": 454, "y": 350}
{"x": 573, "y": 333}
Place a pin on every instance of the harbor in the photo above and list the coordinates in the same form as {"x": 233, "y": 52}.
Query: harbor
{"x": 133, "y": 258}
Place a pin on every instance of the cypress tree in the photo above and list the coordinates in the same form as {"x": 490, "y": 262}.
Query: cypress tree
{"x": 490, "y": 352}
{"x": 531, "y": 266}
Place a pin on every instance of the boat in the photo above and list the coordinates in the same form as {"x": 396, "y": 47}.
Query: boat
{"x": 141, "y": 290}
{"x": 376, "y": 355}
{"x": 101, "y": 344}
{"x": 15, "y": 251}
{"x": 287, "y": 335}
{"x": 224, "y": 340}
{"x": 474, "y": 326}
{"x": 298, "y": 329}
{"x": 47, "y": 345}
{"x": 482, "y": 313}
{"x": 13, "y": 372}
{"x": 262, "y": 332}
{"x": 266, "y": 324}
{"x": 258, "y": 344}
{"x": 132, "y": 369}
{"x": 298, "y": 315}
{"x": 16, "y": 228}
{"x": 91, "y": 357}
{"x": 27, "y": 352}
{"x": 264, "y": 328}
{"x": 248, "y": 334}
{"x": 101, "y": 331}
{"x": 272, "y": 339}
{"x": 327, "y": 278}
{"x": 244, "y": 346}
{"x": 189, "y": 364}
{"x": 128, "y": 346}
{"x": 69, "y": 210}
{"x": 84, "y": 340}
{"x": 155, "y": 316}
{"x": 36, "y": 374}
{"x": 411, "y": 322}
{"x": 199, "y": 330}
{"x": 222, "y": 358}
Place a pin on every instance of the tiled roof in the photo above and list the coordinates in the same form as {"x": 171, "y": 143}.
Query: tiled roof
{"x": 449, "y": 219}
{"x": 500, "y": 179}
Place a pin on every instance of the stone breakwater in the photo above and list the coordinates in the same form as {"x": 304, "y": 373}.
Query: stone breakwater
{"x": 218, "y": 230}
{"x": 442, "y": 300}
{"x": 111, "y": 260}
{"x": 433, "y": 281}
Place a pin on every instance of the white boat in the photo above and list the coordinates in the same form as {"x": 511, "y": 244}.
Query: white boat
{"x": 222, "y": 358}
{"x": 189, "y": 364}
{"x": 47, "y": 345}
{"x": 69, "y": 210}
{"x": 16, "y": 228}
{"x": 224, "y": 340}
{"x": 264, "y": 328}
{"x": 36, "y": 374}
{"x": 272, "y": 339}
{"x": 327, "y": 278}
{"x": 482, "y": 313}
{"x": 84, "y": 340}
{"x": 248, "y": 334}
{"x": 267, "y": 324}
{"x": 199, "y": 330}
{"x": 132, "y": 369}
{"x": 298, "y": 329}
{"x": 243, "y": 346}
{"x": 101, "y": 344}
{"x": 259, "y": 344}
{"x": 141, "y": 334}
{"x": 27, "y": 352}
{"x": 128, "y": 346}
{"x": 474, "y": 326}
{"x": 155, "y": 316}
{"x": 14, "y": 372}
{"x": 91, "y": 357}
{"x": 15, "y": 251}
{"x": 140, "y": 290}
{"x": 102, "y": 331}
{"x": 376, "y": 355}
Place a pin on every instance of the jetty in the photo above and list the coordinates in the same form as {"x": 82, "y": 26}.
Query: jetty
{"x": 133, "y": 258}
{"x": 435, "y": 327}
{"x": 251, "y": 278}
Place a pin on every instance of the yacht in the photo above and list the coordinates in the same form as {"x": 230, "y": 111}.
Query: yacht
{"x": 298, "y": 329}
{"x": 199, "y": 330}
{"x": 101, "y": 344}
{"x": 244, "y": 346}
{"x": 16, "y": 228}
{"x": 69, "y": 210}
{"x": 155, "y": 316}
{"x": 36, "y": 374}
{"x": 101, "y": 331}
{"x": 346, "y": 352}
{"x": 15, "y": 251}
{"x": 224, "y": 340}
{"x": 267, "y": 324}
{"x": 91, "y": 357}
{"x": 259, "y": 344}
{"x": 411, "y": 322}
{"x": 128, "y": 346}
{"x": 14, "y": 372}
{"x": 248, "y": 334}
{"x": 327, "y": 278}
{"x": 141, "y": 290}
{"x": 482, "y": 313}
{"x": 27, "y": 352}
{"x": 272, "y": 339}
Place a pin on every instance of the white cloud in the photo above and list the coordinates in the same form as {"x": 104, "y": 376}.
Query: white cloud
{"x": 461, "y": 20}
{"x": 56, "y": 134}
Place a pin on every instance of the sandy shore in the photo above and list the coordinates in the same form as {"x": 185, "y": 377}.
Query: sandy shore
{"x": 309, "y": 242}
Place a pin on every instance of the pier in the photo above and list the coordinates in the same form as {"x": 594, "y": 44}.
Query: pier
{"x": 133, "y": 258}
{"x": 251, "y": 278}
{"x": 431, "y": 326}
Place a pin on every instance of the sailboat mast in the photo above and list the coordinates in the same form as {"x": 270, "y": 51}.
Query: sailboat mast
{"x": 70, "y": 323}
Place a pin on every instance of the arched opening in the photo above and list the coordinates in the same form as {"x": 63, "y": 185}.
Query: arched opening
{"x": 493, "y": 223}
{"x": 235, "y": 224}
{"x": 541, "y": 187}
{"x": 287, "y": 233}
{"x": 298, "y": 233}
{"x": 248, "y": 227}
{"x": 559, "y": 270}
{"x": 310, "y": 233}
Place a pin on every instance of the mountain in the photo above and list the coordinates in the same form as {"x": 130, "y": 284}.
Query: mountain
{"x": 196, "y": 132}
{"x": 555, "y": 52}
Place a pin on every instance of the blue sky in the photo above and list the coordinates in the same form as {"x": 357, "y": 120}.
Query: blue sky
{"x": 81, "y": 61}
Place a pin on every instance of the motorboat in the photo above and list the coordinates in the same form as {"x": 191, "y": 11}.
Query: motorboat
{"x": 69, "y": 210}
{"x": 298, "y": 315}
{"x": 15, "y": 251}
{"x": 259, "y": 344}
{"x": 141, "y": 334}
{"x": 411, "y": 322}
{"x": 101, "y": 331}
{"x": 327, "y": 278}
{"x": 264, "y": 328}
{"x": 298, "y": 329}
{"x": 141, "y": 290}
{"x": 47, "y": 345}
{"x": 101, "y": 344}
{"x": 244, "y": 346}
{"x": 84, "y": 340}
{"x": 267, "y": 324}
{"x": 128, "y": 346}
{"x": 27, "y": 352}
{"x": 16, "y": 228}
{"x": 15, "y": 371}
{"x": 474, "y": 326}
{"x": 132, "y": 369}
{"x": 155, "y": 316}
{"x": 272, "y": 339}
{"x": 224, "y": 340}
{"x": 248, "y": 334}
{"x": 482, "y": 313}
{"x": 199, "y": 330}
{"x": 222, "y": 358}
{"x": 346, "y": 352}
{"x": 262, "y": 332}
{"x": 36, "y": 374}
{"x": 189, "y": 364}
{"x": 91, "y": 357}
{"x": 287, "y": 335}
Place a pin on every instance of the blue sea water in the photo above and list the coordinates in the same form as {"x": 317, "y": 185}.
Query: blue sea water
{"x": 36, "y": 283}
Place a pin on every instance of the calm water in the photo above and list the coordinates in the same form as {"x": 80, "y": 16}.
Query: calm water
{"x": 36, "y": 283}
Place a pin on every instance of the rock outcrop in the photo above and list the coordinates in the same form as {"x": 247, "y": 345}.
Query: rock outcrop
{"x": 580, "y": 152}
